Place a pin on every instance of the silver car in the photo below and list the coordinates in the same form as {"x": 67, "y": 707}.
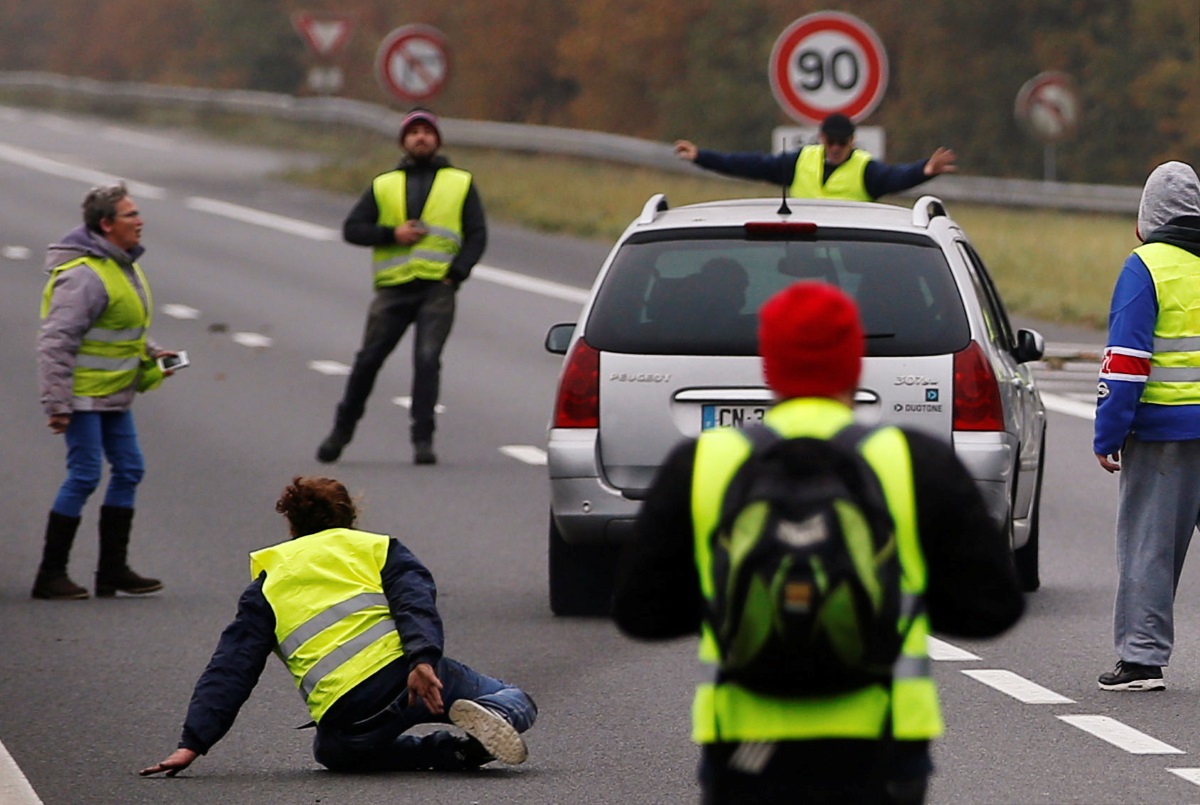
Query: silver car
{"x": 665, "y": 347}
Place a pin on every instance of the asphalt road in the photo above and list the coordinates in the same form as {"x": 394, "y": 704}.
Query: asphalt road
{"x": 251, "y": 278}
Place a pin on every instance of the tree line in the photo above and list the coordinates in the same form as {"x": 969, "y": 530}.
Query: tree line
{"x": 690, "y": 68}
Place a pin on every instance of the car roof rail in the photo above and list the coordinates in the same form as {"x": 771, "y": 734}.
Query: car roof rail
{"x": 926, "y": 209}
{"x": 656, "y": 204}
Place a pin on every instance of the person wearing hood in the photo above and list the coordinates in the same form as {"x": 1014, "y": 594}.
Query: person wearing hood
{"x": 425, "y": 226}
{"x": 1148, "y": 422}
{"x": 94, "y": 355}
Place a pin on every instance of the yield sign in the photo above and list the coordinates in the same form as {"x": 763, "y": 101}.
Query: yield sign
{"x": 325, "y": 34}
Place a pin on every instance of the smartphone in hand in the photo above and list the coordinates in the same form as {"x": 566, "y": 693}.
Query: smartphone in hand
{"x": 176, "y": 361}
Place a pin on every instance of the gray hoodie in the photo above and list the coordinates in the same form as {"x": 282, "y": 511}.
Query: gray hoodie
{"x": 78, "y": 299}
{"x": 1171, "y": 191}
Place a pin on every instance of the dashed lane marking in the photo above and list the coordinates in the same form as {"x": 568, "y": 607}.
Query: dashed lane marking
{"x": 526, "y": 453}
{"x": 1121, "y": 735}
{"x": 1065, "y": 405}
{"x": 944, "y": 652}
{"x": 1018, "y": 687}
{"x": 37, "y": 162}
{"x": 1191, "y": 775}
{"x": 256, "y": 340}
{"x": 406, "y": 402}
{"x": 329, "y": 367}
{"x": 180, "y": 311}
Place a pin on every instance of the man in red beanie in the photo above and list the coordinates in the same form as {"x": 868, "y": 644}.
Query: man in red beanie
{"x": 424, "y": 224}
{"x": 957, "y": 577}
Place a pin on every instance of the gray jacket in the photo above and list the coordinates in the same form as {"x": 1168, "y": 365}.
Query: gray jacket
{"x": 78, "y": 299}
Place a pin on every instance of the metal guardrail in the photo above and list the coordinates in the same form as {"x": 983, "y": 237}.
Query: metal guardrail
{"x": 549, "y": 139}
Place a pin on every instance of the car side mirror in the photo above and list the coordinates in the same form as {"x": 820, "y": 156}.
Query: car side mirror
{"x": 559, "y": 338}
{"x": 1030, "y": 346}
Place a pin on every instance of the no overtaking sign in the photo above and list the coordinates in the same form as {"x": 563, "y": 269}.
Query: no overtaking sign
{"x": 413, "y": 63}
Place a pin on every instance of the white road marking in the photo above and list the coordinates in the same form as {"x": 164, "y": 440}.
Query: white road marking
{"x": 138, "y": 138}
{"x": 526, "y": 453}
{"x": 1018, "y": 687}
{"x": 1191, "y": 775}
{"x": 17, "y": 253}
{"x": 522, "y": 282}
{"x": 256, "y": 340}
{"x": 180, "y": 311}
{"x": 1065, "y": 405}
{"x": 248, "y": 215}
{"x": 14, "y": 786}
{"x": 41, "y": 164}
{"x": 1121, "y": 735}
{"x": 944, "y": 652}
{"x": 329, "y": 367}
{"x": 406, "y": 402}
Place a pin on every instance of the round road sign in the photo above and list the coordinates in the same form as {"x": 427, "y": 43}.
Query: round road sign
{"x": 413, "y": 63}
{"x": 1048, "y": 105}
{"x": 828, "y": 63}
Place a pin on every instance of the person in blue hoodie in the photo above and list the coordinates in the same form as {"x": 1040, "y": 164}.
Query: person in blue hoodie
{"x": 1148, "y": 422}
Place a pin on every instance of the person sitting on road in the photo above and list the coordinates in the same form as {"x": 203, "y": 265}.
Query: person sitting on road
{"x": 353, "y": 617}
{"x": 833, "y": 168}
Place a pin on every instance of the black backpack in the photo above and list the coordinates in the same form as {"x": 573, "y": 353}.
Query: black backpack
{"x": 805, "y": 567}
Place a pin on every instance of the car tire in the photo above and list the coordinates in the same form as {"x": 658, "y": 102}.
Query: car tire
{"x": 582, "y": 577}
{"x": 1026, "y": 557}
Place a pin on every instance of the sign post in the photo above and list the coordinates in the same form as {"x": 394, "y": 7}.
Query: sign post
{"x": 413, "y": 63}
{"x": 1048, "y": 106}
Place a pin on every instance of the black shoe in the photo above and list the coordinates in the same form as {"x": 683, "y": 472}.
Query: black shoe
{"x": 423, "y": 453}
{"x": 1131, "y": 676}
{"x": 331, "y": 449}
{"x": 125, "y": 581}
{"x": 58, "y": 588}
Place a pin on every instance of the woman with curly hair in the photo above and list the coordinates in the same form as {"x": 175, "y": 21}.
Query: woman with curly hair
{"x": 353, "y": 616}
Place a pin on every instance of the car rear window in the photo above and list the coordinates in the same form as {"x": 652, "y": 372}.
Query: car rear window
{"x": 700, "y": 295}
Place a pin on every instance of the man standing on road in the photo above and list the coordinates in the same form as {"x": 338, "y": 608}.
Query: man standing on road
{"x": 353, "y": 616}
{"x": 834, "y": 168}
{"x": 870, "y": 744}
{"x": 94, "y": 356}
{"x": 1148, "y": 422}
{"x": 425, "y": 225}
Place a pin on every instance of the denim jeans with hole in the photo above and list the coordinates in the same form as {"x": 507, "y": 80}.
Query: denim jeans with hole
{"x": 91, "y": 437}
{"x": 378, "y": 742}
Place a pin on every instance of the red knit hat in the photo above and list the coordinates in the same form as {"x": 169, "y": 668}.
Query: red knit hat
{"x": 420, "y": 115}
{"x": 811, "y": 341}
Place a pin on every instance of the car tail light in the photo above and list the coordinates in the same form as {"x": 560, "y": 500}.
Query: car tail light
{"x": 578, "y": 401}
{"x": 976, "y": 392}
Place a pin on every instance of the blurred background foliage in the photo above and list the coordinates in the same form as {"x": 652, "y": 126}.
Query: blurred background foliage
{"x": 689, "y": 68}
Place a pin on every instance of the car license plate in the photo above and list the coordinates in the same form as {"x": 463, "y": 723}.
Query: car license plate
{"x": 720, "y": 416}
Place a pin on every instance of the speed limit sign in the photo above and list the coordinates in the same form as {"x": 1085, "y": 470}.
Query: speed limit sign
{"x": 828, "y": 63}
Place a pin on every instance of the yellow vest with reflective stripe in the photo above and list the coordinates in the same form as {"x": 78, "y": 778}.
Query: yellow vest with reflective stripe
{"x": 727, "y": 712}
{"x": 113, "y": 349}
{"x": 1175, "y": 361}
{"x": 332, "y": 622}
{"x": 430, "y": 257}
{"x": 845, "y": 182}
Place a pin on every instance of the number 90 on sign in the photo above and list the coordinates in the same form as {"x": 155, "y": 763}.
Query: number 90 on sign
{"x": 828, "y": 63}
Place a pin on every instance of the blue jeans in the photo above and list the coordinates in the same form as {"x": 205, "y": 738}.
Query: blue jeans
{"x": 394, "y": 308}
{"x": 91, "y": 437}
{"x": 377, "y": 743}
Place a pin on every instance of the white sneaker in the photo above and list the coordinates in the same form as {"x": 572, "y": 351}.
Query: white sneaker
{"x": 491, "y": 729}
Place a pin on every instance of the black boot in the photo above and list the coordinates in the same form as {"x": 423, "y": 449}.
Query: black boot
{"x": 52, "y": 581}
{"x": 112, "y": 572}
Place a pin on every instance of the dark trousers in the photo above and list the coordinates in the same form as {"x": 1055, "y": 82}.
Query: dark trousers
{"x": 826, "y": 772}
{"x": 431, "y": 306}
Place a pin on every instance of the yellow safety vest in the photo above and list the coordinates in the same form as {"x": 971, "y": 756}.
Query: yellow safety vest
{"x": 430, "y": 257}
{"x": 845, "y": 182}
{"x": 113, "y": 350}
{"x": 727, "y": 712}
{"x": 332, "y": 621}
{"x": 1175, "y": 362}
